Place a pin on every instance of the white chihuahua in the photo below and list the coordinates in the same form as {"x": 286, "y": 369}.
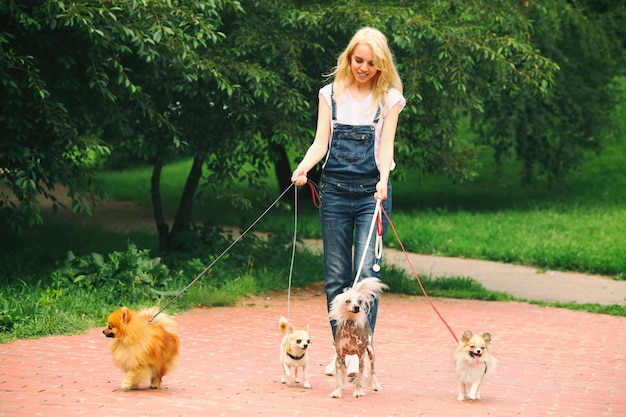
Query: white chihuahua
{"x": 473, "y": 362}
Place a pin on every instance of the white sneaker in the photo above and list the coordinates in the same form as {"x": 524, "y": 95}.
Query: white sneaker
{"x": 352, "y": 366}
{"x": 330, "y": 368}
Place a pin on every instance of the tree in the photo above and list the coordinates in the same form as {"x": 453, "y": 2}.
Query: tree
{"x": 72, "y": 76}
{"x": 233, "y": 84}
{"x": 550, "y": 133}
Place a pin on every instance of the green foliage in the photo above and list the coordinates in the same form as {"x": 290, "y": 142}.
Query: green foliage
{"x": 573, "y": 225}
{"x": 266, "y": 256}
{"x": 85, "y": 289}
{"x": 31, "y": 314}
{"x": 125, "y": 276}
{"x": 75, "y": 79}
{"x": 6, "y": 322}
{"x": 550, "y": 133}
{"x": 548, "y": 238}
{"x": 233, "y": 84}
{"x": 210, "y": 294}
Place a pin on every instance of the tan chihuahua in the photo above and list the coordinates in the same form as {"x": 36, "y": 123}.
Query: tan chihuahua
{"x": 293, "y": 353}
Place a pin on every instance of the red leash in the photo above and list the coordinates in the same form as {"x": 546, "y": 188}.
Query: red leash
{"x": 417, "y": 276}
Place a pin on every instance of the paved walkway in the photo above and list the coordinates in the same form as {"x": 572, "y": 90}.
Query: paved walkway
{"x": 553, "y": 362}
{"x": 523, "y": 282}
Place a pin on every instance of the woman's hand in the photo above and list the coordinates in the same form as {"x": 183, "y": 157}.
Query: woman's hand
{"x": 381, "y": 191}
{"x": 299, "y": 177}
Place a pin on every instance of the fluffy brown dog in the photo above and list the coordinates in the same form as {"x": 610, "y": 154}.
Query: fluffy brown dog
{"x": 293, "y": 352}
{"x": 143, "y": 349}
{"x": 473, "y": 361}
{"x": 354, "y": 336}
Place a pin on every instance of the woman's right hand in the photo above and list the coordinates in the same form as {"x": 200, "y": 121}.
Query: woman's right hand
{"x": 299, "y": 177}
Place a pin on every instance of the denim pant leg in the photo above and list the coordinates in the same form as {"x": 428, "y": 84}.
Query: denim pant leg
{"x": 364, "y": 214}
{"x": 337, "y": 235}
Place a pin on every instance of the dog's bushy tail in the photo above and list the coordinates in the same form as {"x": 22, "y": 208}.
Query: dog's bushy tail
{"x": 163, "y": 319}
{"x": 284, "y": 326}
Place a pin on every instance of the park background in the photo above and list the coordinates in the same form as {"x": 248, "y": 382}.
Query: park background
{"x": 511, "y": 147}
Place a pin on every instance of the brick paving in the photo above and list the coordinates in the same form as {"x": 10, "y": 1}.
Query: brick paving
{"x": 553, "y": 362}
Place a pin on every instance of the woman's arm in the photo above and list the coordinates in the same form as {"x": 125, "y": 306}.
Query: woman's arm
{"x": 318, "y": 148}
{"x": 385, "y": 157}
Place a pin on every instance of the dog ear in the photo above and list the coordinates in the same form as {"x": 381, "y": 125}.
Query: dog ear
{"x": 467, "y": 335}
{"x": 307, "y": 328}
{"x": 487, "y": 337}
{"x": 125, "y": 312}
{"x": 290, "y": 328}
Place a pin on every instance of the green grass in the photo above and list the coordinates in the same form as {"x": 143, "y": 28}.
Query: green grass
{"x": 584, "y": 240}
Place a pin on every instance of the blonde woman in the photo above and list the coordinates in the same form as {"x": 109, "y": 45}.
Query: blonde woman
{"x": 356, "y": 127}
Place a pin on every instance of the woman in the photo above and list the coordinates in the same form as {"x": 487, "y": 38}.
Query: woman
{"x": 356, "y": 127}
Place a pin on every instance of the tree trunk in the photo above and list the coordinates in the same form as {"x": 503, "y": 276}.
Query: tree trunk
{"x": 282, "y": 168}
{"x": 185, "y": 206}
{"x": 157, "y": 205}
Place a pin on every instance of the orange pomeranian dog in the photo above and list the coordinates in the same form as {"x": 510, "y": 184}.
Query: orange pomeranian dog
{"x": 473, "y": 361}
{"x": 142, "y": 348}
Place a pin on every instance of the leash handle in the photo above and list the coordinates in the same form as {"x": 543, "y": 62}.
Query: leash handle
{"x": 367, "y": 242}
{"x": 317, "y": 201}
{"x": 379, "y": 237}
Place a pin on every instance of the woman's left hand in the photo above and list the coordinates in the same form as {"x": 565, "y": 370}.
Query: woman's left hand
{"x": 381, "y": 191}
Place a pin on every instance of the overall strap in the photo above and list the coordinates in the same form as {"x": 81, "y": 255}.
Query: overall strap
{"x": 377, "y": 116}
{"x": 333, "y": 104}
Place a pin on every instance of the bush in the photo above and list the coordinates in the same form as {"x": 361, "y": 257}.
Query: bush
{"x": 127, "y": 276}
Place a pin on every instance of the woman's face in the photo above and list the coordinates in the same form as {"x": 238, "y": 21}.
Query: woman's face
{"x": 362, "y": 65}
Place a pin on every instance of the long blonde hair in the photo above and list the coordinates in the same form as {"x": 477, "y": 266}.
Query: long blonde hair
{"x": 386, "y": 76}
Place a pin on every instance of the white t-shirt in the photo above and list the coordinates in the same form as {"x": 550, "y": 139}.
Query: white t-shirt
{"x": 351, "y": 111}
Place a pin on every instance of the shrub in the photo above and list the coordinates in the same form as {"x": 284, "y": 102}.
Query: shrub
{"x": 127, "y": 276}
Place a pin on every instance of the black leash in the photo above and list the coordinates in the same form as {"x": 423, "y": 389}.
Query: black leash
{"x": 177, "y": 296}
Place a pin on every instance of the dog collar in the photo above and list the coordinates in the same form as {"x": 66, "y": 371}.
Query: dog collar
{"x": 296, "y": 358}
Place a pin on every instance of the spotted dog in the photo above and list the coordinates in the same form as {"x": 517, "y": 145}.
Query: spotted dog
{"x": 353, "y": 337}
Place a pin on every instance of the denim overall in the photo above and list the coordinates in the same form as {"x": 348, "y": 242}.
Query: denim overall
{"x": 348, "y": 185}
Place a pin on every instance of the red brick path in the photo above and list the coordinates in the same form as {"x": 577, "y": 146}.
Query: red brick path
{"x": 553, "y": 362}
